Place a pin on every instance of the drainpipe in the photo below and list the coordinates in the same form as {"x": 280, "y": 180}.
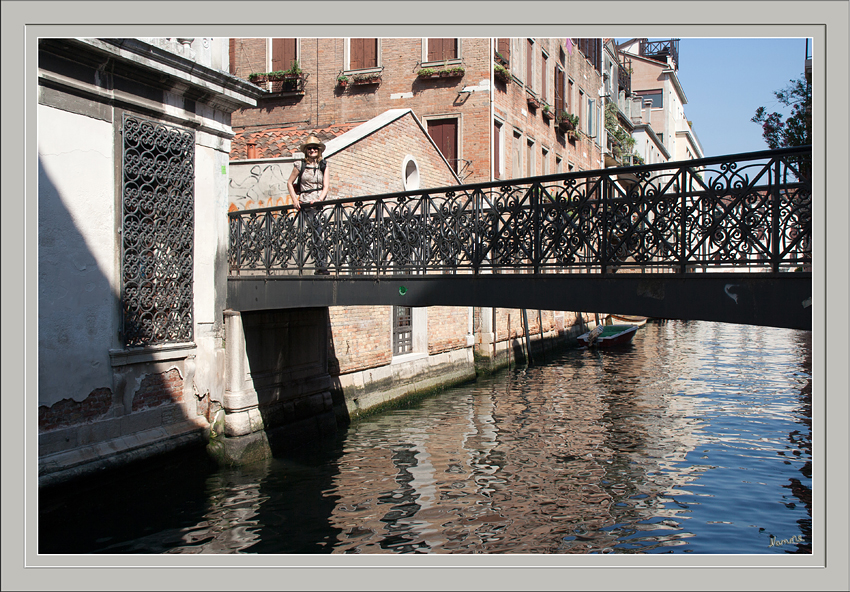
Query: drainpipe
{"x": 492, "y": 109}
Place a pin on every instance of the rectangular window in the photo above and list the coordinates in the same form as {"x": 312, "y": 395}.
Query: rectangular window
{"x": 545, "y": 161}
{"x": 559, "y": 165}
{"x": 442, "y": 49}
{"x": 529, "y": 159}
{"x": 283, "y": 54}
{"x": 497, "y": 151}
{"x": 402, "y": 330}
{"x": 580, "y": 113}
{"x": 444, "y": 134}
{"x": 516, "y": 157}
{"x": 364, "y": 54}
{"x": 570, "y": 97}
{"x": 503, "y": 47}
{"x": 591, "y": 118}
{"x": 157, "y": 232}
{"x": 560, "y": 104}
{"x": 529, "y": 63}
{"x": 543, "y": 70}
{"x": 656, "y": 96}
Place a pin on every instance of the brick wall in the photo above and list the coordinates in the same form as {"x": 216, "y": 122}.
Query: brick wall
{"x": 373, "y": 165}
{"x": 68, "y": 412}
{"x": 325, "y": 104}
{"x": 159, "y": 389}
{"x": 447, "y": 328}
{"x": 359, "y": 338}
{"x": 510, "y": 103}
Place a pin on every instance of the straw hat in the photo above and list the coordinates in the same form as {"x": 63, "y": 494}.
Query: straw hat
{"x": 312, "y": 141}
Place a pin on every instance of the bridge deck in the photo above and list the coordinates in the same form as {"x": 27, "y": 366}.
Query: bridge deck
{"x": 776, "y": 300}
{"x": 666, "y": 240}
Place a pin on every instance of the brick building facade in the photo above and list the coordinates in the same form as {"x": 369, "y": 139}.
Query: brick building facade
{"x": 378, "y": 102}
{"x": 487, "y": 126}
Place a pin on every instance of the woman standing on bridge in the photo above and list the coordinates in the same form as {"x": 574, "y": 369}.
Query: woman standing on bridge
{"x": 308, "y": 186}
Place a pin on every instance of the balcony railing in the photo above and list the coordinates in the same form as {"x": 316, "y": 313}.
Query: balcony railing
{"x": 659, "y": 50}
{"x": 747, "y": 210}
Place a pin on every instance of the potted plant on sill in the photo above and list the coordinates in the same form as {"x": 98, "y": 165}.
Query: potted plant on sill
{"x": 501, "y": 73}
{"x": 367, "y": 78}
{"x": 258, "y": 78}
{"x": 285, "y": 80}
{"x": 567, "y": 121}
{"x": 548, "y": 114}
{"x": 427, "y": 73}
{"x": 500, "y": 59}
{"x": 452, "y": 71}
{"x": 342, "y": 80}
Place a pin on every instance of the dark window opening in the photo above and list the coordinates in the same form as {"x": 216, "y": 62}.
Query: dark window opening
{"x": 402, "y": 330}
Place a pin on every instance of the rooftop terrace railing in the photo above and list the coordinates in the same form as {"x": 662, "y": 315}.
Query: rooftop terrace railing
{"x": 739, "y": 212}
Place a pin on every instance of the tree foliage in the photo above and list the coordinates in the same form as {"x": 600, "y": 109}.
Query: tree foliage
{"x": 796, "y": 129}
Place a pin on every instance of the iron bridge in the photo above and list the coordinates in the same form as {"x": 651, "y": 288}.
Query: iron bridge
{"x": 722, "y": 239}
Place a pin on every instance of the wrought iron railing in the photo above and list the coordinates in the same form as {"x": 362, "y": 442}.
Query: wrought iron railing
{"x": 660, "y": 49}
{"x": 724, "y": 213}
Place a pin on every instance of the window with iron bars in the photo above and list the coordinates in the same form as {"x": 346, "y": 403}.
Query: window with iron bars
{"x": 402, "y": 330}
{"x": 157, "y": 232}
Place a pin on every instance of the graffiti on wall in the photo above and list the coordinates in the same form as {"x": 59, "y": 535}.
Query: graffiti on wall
{"x": 259, "y": 185}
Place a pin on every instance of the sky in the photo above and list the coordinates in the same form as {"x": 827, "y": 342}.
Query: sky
{"x": 726, "y": 80}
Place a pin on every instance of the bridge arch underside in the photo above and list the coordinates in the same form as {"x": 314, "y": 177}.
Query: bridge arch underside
{"x": 766, "y": 299}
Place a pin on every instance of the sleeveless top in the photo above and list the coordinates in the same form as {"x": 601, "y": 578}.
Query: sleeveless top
{"x": 311, "y": 182}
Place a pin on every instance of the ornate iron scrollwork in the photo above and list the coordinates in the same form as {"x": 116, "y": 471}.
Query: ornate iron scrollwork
{"x": 749, "y": 211}
{"x": 158, "y": 221}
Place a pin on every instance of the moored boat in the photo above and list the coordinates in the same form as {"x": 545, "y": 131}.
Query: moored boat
{"x": 608, "y": 335}
{"x": 628, "y": 320}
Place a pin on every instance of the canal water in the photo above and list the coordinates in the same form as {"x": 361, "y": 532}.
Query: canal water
{"x": 696, "y": 438}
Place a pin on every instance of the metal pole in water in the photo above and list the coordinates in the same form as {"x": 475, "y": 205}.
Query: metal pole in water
{"x": 527, "y": 338}
{"x": 508, "y": 342}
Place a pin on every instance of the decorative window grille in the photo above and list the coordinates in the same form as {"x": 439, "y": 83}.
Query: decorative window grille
{"x": 402, "y": 330}
{"x": 157, "y": 233}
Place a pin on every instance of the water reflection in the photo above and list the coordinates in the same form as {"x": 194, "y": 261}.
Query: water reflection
{"x": 697, "y": 438}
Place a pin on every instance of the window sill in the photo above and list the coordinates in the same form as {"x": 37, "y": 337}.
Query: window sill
{"x": 177, "y": 351}
{"x": 375, "y": 70}
{"x": 438, "y": 63}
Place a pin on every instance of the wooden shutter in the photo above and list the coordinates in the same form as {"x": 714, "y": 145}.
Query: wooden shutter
{"x": 570, "y": 97}
{"x": 559, "y": 91}
{"x": 364, "y": 53}
{"x": 231, "y": 56}
{"x": 283, "y": 54}
{"x": 442, "y": 49}
{"x": 529, "y": 70}
{"x": 444, "y": 134}
{"x": 544, "y": 65}
{"x": 503, "y": 46}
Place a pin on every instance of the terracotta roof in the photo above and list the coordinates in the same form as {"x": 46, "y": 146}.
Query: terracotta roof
{"x": 275, "y": 142}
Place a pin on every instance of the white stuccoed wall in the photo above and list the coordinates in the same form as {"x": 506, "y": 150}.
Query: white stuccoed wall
{"x": 77, "y": 255}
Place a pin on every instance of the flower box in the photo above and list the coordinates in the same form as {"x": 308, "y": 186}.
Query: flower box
{"x": 501, "y": 73}
{"x": 567, "y": 121}
{"x": 366, "y": 78}
{"x": 452, "y": 72}
{"x": 532, "y": 101}
{"x": 548, "y": 115}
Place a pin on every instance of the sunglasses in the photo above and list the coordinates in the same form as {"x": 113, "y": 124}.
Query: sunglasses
{"x": 310, "y": 148}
